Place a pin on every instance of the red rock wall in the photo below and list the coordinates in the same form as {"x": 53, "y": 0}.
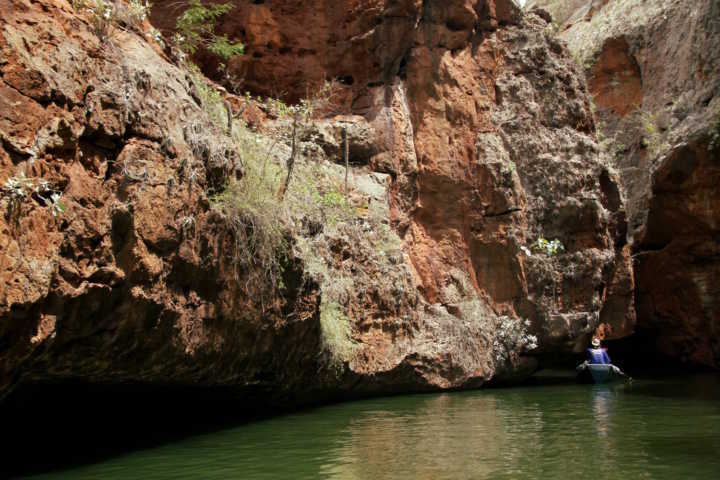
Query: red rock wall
{"x": 472, "y": 109}
{"x": 115, "y": 289}
{"x": 654, "y": 72}
{"x": 469, "y": 122}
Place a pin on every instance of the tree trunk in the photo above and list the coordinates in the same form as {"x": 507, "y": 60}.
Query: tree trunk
{"x": 347, "y": 159}
{"x": 291, "y": 159}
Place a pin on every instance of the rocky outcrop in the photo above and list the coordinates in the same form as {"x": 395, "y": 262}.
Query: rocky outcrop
{"x": 132, "y": 281}
{"x": 678, "y": 252}
{"x": 461, "y": 103}
{"x": 655, "y": 78}
{"x": 471, "y": 138}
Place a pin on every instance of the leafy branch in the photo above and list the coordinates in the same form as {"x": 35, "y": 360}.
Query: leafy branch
{"x": 195, "y": 29}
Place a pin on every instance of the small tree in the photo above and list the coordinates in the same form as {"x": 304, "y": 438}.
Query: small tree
{"x": 301, "y": 116}
{"x": 195, "y": 29}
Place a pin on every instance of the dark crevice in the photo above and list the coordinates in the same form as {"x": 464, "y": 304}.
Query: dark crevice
{"x": 456, "y": 26}
{"x": 610, "y": 192}
{"x": 346, "y": 79}
{"x": 42, "y": 101}
{"x": 500, "y": 214}
{"x": 16, "y": 156}
{"x": 402, "y": 68}
{"x": 650, "y": 248}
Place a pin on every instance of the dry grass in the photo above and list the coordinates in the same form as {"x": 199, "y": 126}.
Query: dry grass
{"x": 258, "y": 219}
{"x": 308, "y": 223}
{"x": 336, "y": 331}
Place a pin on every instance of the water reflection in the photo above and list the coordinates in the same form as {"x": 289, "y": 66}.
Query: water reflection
{"x": 497, "y": 434}
{"x": 427, "y": 441}
{"x": 602, "y": 398}
{"x": 547, "y": 432}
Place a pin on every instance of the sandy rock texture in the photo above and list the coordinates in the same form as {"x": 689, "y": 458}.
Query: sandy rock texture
{"x": 471, "y": 137}
{"x": 654, "y": 73}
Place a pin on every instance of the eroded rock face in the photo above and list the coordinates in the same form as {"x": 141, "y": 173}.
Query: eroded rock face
{"x": 132, "y": 282}
{"x": 471, "y": 136}
{"x": 484, "y": 127}
{"x": 677, "y": 265}
{"x": 654, "y": 73}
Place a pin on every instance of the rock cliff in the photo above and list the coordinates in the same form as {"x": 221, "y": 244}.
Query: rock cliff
{"x": 471, "y": 137}
{"x": 655, "y": 79}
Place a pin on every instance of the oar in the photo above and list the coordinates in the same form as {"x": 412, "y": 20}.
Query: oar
{"x": 622, "y": 374}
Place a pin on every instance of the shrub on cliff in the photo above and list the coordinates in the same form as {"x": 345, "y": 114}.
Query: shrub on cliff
{"x": 300, "y": 117}
{"x": 18, "y": 189}
{"x": 653, "y": 138}
{"x": 513, "y": 338}
{"x": 257, "y": 218}
{"x": 105, "y": 14}
{"x": 337, "y": 343}
{"x": 548, "y": 247}
{"x": 196, "y": 28}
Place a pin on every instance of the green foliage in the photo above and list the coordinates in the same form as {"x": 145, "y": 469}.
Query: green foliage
{"x": 154, "y": 34}
{"x": 17, "y": 188}
{"x": 653, "y": 138}
{"x": 318, "y": 102}
{"x": 136, "y": 11}
{"x": 548, "y": 247}
{"x": 212, "y": 101}
{"x": 261, "y": 223}
{"x": 331, "y": 199}
{"x": 335, "y": 331}
{"x": 313, "y": 216}
{"x": 195, "y": 29}
{"x": 300, "y": 118}
{"x": 223, "y": 48}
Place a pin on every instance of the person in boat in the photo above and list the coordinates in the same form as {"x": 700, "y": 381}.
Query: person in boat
{"x": 597, "y": 354}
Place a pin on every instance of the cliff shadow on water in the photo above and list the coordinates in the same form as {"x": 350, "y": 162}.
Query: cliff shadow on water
{"x": 663, "y": 428}
{"x": 56, "y": 426}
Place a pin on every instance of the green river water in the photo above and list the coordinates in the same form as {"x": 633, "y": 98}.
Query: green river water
{"x": 654, "y": 429}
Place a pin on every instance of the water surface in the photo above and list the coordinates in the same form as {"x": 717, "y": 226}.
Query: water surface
{"x": 651, "y": 429}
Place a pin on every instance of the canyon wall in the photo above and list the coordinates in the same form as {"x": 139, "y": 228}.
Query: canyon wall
{"x": 458, "y": 94}
{"x": 471, "y": 137}
{"x": 654, "y": 74}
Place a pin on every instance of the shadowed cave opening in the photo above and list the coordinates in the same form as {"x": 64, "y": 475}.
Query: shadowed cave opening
{"x": 636, "y": 354}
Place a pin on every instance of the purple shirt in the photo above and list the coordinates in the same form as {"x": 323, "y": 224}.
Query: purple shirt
{"x": 598, "y": 356}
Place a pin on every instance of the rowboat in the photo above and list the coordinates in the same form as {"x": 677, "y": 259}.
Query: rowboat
{"x": 599, "y": 373}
